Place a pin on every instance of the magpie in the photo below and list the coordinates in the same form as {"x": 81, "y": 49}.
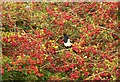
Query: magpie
{"x": 67, "y": 42}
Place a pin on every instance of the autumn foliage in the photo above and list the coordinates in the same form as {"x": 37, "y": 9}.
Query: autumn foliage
{"x": 32, "y": 41}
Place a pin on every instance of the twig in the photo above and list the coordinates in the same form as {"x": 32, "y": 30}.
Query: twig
{"x": 45, "y": 65}
{"x": 62, "y": 50}
{"x": 95, "y": 75}
{"x": 31, "y": 28}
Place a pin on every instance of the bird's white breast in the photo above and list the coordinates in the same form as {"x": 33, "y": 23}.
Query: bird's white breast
{"x": 68, "y": 44}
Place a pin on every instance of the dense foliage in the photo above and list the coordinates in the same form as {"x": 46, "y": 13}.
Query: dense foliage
{"x": 32, "y": 41}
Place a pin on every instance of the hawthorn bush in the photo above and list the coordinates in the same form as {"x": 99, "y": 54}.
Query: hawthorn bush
{"x": 32, "y": 41}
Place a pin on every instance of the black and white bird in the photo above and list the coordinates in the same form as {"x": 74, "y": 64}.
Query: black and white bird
{"x": 67, "y": 42}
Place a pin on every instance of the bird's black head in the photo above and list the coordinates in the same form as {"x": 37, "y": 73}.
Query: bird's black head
{"x": 66, "y": 38}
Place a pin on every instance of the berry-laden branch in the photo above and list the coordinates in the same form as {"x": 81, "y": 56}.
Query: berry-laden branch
{"x": 98, "y": 74}
{"x": 38, "y": 54}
